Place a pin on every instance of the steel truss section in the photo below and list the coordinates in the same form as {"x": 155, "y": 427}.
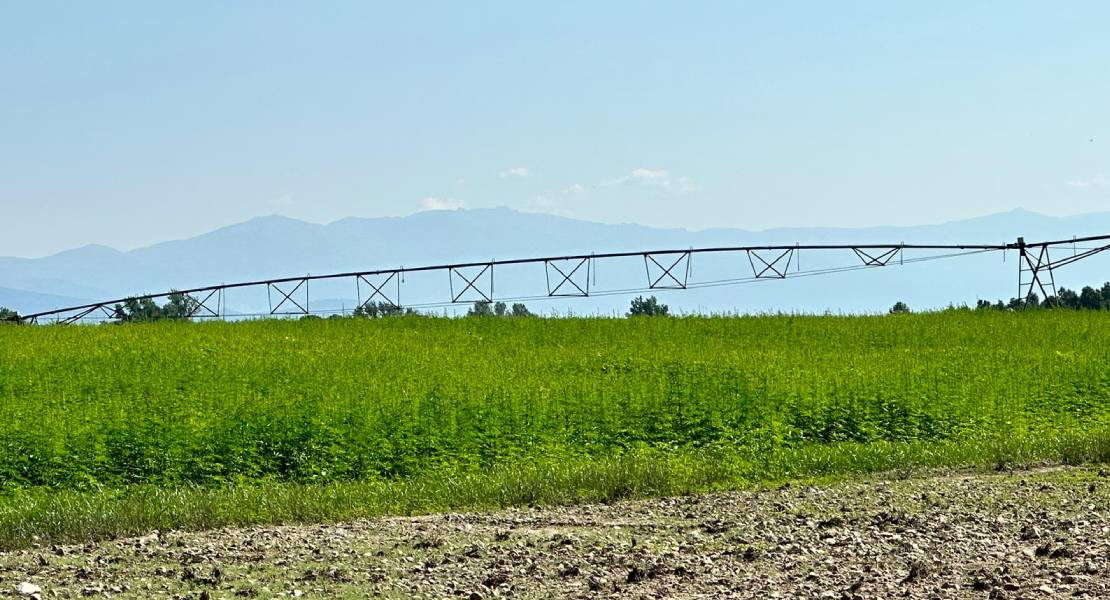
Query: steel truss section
{"x": 480, "y": 283}
{"x": 871, "y": 258}
{"x": 675, "y": 276}
{"x": 81, "y": 315}
{"x": 571, "y": 281}
{"x": 201, "y": 309}
{"x": 292, "y": 298}
{"x": 773, "y": 269}
{"x": 379, "y": 289}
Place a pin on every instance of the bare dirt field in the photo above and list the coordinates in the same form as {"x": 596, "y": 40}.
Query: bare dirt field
{"x": 1028, "y": 534}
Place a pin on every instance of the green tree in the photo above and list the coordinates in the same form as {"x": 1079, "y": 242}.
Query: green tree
{"x": 179, "y": 306}
{"x": 368, "y": 310}
{"x": 986, "y": 305}
{"x": 899, "y": 308}
{"x": 480, "y": 308}
{"x": 1033, "y": 301}
{"x": 136, "y": 310}
{"x": 375, "y": 310}
{"x": 647, "y": 307}
{"x": 8, "y": 315}
{"x": 1065, "y": 298}
{"x": 1090, "y": 299}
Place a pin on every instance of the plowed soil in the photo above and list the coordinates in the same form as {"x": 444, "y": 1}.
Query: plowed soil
{"x": 1030, "y": 534}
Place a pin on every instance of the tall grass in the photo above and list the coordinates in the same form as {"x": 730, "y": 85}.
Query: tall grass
{"x": 414, "y": 414}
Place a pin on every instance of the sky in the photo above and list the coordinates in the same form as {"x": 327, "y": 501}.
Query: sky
{"x": 130, "y": 123}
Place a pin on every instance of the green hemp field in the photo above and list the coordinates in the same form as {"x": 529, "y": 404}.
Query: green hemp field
{"x": 115, "y": 429}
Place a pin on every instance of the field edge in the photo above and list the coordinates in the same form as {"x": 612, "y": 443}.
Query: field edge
{"x": 42, "y": 516}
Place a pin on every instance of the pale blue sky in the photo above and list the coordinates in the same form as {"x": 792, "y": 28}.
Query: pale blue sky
{"x": 130, "y": 123}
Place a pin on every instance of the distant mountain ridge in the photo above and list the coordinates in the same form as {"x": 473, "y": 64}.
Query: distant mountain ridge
{"x": 277, "y": 246}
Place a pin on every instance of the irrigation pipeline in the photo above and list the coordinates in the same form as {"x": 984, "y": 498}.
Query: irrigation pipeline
{"x": 569, "y": 276}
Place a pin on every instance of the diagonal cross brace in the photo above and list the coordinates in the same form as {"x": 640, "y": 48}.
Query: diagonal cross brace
{"x": 775, "y": 269}
{"x": 86, "y": 312}
{"x": 288, "y": 297}
{"x": 878, "y": 260}
{"x": 201, "y": 306}
{"x": 77, "y": 316}
{"x": 379, "y": 291}
{"x": 673, "y": 272}
{"x": 472, "y": 283}
{"x": 565, "y": 277}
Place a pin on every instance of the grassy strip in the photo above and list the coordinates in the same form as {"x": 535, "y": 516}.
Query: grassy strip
{"x": 38, "y": 515}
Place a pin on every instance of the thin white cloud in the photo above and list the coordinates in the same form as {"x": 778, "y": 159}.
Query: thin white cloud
{"x": 1099, "y": 181}
{"x": 554, "y": 202}
{"x": 542, "y": 203}
{"x": 433, "y": 203}
{"x": 545, "y": 203}
{"x": 649, "y": 176}
{"x": 659, "y": 179}
{"x": 515, "y": 172}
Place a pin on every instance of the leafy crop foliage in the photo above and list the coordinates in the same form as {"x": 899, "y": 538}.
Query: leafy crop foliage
{"x": 391, "y": 399}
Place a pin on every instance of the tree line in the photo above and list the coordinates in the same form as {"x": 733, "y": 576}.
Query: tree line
{"x": 184, "y": 306}
{"x": 1088, "y": 298}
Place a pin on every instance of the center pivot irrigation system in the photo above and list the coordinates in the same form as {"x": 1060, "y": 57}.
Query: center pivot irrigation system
{"x": 569, "y": 276}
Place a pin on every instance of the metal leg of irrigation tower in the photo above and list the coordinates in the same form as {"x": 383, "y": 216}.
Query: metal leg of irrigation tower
{"x": 1035, "y": 272}
{"x": 1036, "y": 269}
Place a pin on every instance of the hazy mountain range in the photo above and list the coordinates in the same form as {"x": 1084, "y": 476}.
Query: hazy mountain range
{"x": 278, "y": 246}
